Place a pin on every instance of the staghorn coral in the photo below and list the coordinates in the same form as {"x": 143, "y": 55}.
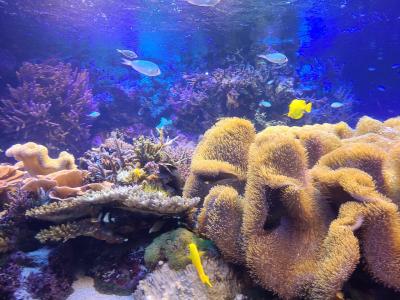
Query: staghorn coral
{"x": 172, "y": 247}
{"x": 49, "y": 106}
{"x": 166, "y": 283}
{"x": 163, "y": 161}
{"x": 81, "y": 215}
{"x": 200, "y": 99}
{"x": 105, "y": 161}
{"x": 36, "y": 160}
{"x": 317, "y": 201}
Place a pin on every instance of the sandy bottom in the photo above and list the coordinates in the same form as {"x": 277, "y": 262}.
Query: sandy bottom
{"x": 84, "y": 290}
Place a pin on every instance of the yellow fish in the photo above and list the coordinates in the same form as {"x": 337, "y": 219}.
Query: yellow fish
{"x": 297, "y": 108}
{"x": 195, "y": 257}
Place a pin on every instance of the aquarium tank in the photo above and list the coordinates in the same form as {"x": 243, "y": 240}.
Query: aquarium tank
{"x": 199, "y": 149}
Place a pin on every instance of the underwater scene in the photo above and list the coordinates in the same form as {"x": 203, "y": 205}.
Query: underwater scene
{"x": 199, "y": 149}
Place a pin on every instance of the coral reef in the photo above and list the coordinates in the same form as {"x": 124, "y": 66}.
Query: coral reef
{"x": 201, "y": 98}
{"x": 83, "y": 214}
{"x": 221, "y": 157}
{"x": 16, "y": 231}
{"x": 62, "y": 184}
{"x": 36, "y": 160}
{"x": 50, "y": 106}
{"x": 319, "y": 200}
{"x": 155, "y": 160}
{"x": 167, "y": 283}
{"x": 118, "y": 271}
{"x": 172, "y": 247}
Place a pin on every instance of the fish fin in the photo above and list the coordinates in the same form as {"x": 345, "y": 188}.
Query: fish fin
{"x": 308, "y": 107}
{"x": 126, "y": 62}
{"x": 157, "y": 226}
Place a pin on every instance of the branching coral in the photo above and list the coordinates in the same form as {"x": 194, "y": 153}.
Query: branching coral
{"x": 50, "y": 106}
{"x": 36, "y": 160}
{"x": 316, "y": 202}
{"x": 161, "y": 162}
{"x": 201, "y": 99}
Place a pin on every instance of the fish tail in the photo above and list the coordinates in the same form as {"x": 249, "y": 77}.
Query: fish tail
{"x": 126, "y": 62}
{"x": 308, "y": 107}
{"x": 206, "y": 280}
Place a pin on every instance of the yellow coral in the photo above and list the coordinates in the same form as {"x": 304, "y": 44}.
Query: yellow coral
{"x": 221, "y": 156}
{"x": 220, "y": 220}
{"x": 308, "y": 190}
{"x": 283, "y": 224}
{"x": 36, "y": 159}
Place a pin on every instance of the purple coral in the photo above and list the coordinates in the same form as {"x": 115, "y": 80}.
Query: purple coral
{"x": 9, "y": 279}
{"x": 47, "y": 286}
{"x": 119, "y": 272}
{"x": 50, "y": 106}
{"x": 13, "y": 222}
{"x": 201, "y": 98}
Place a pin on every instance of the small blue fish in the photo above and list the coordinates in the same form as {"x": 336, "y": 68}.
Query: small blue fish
{"x": 395, "y": 66}
{"x": 371, "y": 69}
{"x": 164, "y": 122}
{"x": 381, "y": 88}
{"x": 270, "y": 82}
{"x": 94, "y": 114}
{"x": 336, "y": 104}
{"x": 265, "y": 104}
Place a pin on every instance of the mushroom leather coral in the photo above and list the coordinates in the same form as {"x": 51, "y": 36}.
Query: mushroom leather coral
{"x": 221, "y": 156}
{"x": 308, "y": 190}
{"x": 37, "y": 161}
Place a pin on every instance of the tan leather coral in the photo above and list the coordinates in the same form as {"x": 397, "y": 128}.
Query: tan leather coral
{"x": 36, "y": 159}
{"x": 319, "y": 200}
{"x": 221, "y": 156}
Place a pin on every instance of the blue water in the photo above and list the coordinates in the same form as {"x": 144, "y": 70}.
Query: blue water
{"x": 347, "y": 47}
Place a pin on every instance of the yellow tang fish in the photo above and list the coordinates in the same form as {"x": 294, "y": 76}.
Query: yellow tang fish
{"x": 195, "y": 257}
{"x": 297, "y": 108}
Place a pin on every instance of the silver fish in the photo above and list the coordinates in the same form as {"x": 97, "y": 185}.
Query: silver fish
{"x": 143, "y": 66}
{"x": 128, "y": 53}
{"x": 204, "y": 2}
